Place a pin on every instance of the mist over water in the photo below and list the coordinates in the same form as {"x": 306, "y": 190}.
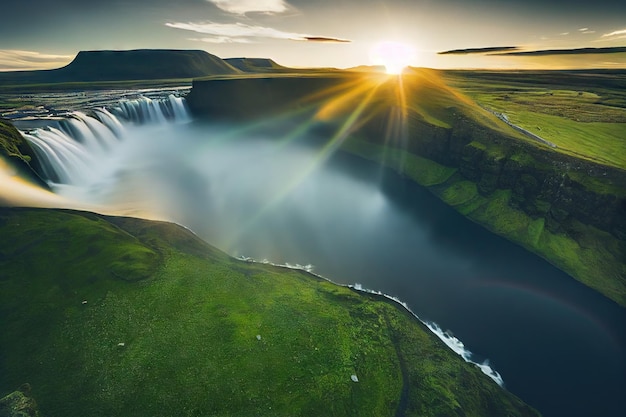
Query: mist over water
{"x": 557, "y": 344}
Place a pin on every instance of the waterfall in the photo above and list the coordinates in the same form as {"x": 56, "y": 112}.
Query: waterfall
{"x": 67, "y": 149}
{"x": 145, "y": 110}
{"x": 179, "y": 107}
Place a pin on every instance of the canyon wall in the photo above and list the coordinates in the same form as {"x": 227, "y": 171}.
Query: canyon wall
{"x": 570, "y": 210}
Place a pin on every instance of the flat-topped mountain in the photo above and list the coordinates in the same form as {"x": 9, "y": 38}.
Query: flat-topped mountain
{"x": 140, "y": 64}
{"x": 255, "y": 64}
{"x": 145, "y": 64}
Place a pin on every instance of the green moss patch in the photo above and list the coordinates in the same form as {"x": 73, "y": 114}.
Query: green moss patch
{"x": 12, "y": 144}
{"x": 421, "y": 170}
{"x": 460, "y": 193}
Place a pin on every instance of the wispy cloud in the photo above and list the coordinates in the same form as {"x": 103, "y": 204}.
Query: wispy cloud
{"x": 251, "y": 6}
{"x": 615, "y": 33}
{"x": 583, "y": 29}
{"x": 587, "y": 32}
{"x": 17, "y": 60}
{"x": 618, "y": 34}
{"x": 490, "y": 49}
{"x": 325, "y": 39}
{"x": 577, "y": 51}
{"x": 564, "y": 34}
{"x": 242, "y": 33}
{"x": 220, "y": 39}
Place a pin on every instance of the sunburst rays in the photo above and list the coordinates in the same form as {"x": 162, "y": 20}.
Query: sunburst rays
{"x": 345, "y": 107}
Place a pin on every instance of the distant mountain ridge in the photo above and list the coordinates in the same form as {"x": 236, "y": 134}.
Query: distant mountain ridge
{"x": 255, "y": 64}
{"x": 146, "y": 63}
{"x": 139, "y": 64}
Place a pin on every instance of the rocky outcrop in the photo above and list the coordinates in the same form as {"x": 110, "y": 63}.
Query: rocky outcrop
{"x": 16, "y": 151}
{"x": 19, "y": 404}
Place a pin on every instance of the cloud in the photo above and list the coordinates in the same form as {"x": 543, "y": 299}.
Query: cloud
{"x": 17, "y": 60}
{"x": 589, "y": 31}
{"x": 242, "y": 33}
{"x": 220, "y": 39}
{"x": 564, "y": 34}
{"x": 325, "y": 39}
{"x": 618, "y": 34}
{"x": 583, "y": 29}
{"x": 251, "y": 6}
{"x": 479, "y": 50}
{"x": 578, "y": 51}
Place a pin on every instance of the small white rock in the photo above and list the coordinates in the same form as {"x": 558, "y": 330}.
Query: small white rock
{"x": 258, "y": 337}
{"x": 121, "y": 344}
{"x": 84, "y": 301}
{"x": 354, "y": 378}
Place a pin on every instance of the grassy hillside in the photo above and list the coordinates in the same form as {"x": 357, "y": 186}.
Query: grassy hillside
{"x": 116, "y": 316}
{"x": 582, "y": 113}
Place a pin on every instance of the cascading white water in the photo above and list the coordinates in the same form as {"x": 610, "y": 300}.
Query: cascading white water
{"x": 63, "y": 158}
{"x": 69, "y": 148}
{"x": 110, "y": 121}
{"x": 144, "y": 110}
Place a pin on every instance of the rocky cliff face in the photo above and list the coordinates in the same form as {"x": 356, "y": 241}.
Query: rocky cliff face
{"x": 544, "y": 183}
{"x": 19, "y": 404}
{"x": 559, "y": 188}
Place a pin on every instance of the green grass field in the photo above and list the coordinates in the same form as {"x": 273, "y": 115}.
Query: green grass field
{"x": 116, "y": 316}
{"x": 583, "y": 115}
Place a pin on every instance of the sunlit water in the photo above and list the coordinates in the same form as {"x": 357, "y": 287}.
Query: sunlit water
{"x": 557, "y": 344}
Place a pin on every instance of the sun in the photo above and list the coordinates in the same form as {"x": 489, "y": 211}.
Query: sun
{"x": 395, "y": 56}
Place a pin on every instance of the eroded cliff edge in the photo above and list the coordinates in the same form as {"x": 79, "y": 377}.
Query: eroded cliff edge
{"x": 569, "y": 210}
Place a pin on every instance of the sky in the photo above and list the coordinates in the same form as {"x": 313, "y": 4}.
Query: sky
{"x": 40, "y": 34}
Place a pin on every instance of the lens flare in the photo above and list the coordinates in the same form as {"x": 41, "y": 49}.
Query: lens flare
{"x": 395, "y": 56}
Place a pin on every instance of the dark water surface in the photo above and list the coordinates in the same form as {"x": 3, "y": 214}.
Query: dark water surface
{"x": 557, "y": 344}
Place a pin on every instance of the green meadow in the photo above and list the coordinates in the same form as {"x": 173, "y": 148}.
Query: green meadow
{"x": 111, "y": 316}
{"x": 583, "y": 114}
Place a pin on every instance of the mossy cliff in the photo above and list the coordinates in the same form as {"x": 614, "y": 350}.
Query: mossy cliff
{"x": 569, "y": 210}
{"x": 109, "y": 316}
{"x": 16, "y": 151}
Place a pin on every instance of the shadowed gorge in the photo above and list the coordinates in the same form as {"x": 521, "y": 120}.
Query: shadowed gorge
{"x": 426, "y": 130}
